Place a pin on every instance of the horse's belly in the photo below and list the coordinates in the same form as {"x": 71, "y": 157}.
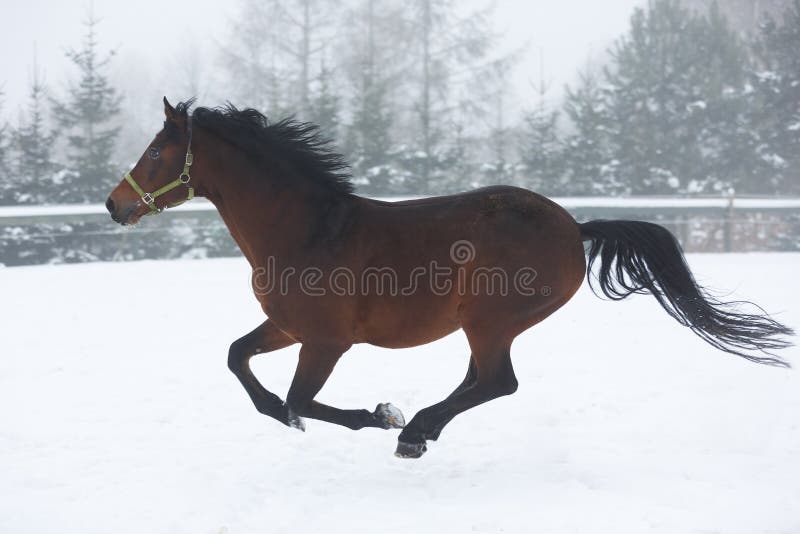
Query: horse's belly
{"x": 409, "y": 338}
{"x": 400, "y": 327}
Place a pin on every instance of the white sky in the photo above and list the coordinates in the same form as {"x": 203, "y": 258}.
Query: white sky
{"x": 154, "y": 37}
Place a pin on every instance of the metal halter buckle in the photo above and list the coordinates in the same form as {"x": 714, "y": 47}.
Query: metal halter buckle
{"x": 147, "y": 198}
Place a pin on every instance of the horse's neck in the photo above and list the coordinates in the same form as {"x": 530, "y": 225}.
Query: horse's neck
{"x": 230, "y": 220}
{"x": 262, "y": 225}
{"x": 265, "y": 221}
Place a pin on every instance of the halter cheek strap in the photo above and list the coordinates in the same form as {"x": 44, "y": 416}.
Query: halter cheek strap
{"x": 150, "y": 198}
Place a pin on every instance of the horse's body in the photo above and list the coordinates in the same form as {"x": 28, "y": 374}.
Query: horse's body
{"x": 331, "y": 269}
{"x": 497, "y": 223}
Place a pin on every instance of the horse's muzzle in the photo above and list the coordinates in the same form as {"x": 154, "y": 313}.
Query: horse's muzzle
{"x": 120, "y": 216}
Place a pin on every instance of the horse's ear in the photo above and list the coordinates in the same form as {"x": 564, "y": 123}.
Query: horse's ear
{"x": 169, "y": 111}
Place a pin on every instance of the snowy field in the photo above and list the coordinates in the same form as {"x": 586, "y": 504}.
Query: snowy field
{"x": 118, "y": 415}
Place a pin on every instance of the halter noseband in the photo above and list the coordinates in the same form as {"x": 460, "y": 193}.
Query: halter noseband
{"x": 183, "y": 179}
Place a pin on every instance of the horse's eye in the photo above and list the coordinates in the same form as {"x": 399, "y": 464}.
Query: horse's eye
{"x": 154, "y": 153}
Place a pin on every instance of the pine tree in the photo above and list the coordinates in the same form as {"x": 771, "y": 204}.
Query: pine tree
{"x": 717, "y": 107}
{"x": 274, "y": 47}
{"x": 540, "y": 150}
{"x": 589, "y": 166}
{"x": 744, "y": 15}
{"x": 87, "y": 115}
{"x": 462, "y": 169}
{"x": 648, "y": 123}
{"x": 372, "y": 63}
{"x": 452, "y": 50}
{"x": 776, "y": 80}
{"x": 33, "y": 144}
{"x": 324, "y": 105}
{"x": 6, "y": 193}
{"x": 674, "y": 94}
{"x": 499, "y": 169}
{"x": 499, "y": 163}
{"x": 370, "y": 139}
{"x": 254, "y": 61}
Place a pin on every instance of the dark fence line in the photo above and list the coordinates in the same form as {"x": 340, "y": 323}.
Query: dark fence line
{"x": 31, "y": 235}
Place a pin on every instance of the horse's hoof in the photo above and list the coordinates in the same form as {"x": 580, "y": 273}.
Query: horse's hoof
{"x": 295, "y": 421}
{"x": 389, "y": 416}
{"x": 410, "y": 450}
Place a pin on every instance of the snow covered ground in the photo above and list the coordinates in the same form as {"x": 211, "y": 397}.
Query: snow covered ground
{"x": 118, "y": 414}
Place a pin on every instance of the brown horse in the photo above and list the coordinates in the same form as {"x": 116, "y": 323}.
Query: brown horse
{"x": 331, "y": 269}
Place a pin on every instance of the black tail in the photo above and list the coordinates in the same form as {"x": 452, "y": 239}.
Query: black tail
{"x": 641, "y": 257}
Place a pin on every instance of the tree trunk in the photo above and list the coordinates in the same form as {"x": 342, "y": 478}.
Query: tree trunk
{"x": 305, "y": 58}
{"x": 425, "y": 112}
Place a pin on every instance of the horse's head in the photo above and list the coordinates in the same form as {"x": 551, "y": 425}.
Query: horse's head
{"x": 160, "y": 179}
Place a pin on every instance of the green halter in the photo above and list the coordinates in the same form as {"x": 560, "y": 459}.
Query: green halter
{"x": 183, "y": 179}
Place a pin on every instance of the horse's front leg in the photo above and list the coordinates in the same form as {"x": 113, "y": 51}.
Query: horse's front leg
{"x": 265, "y": 338}
{"x": 314, "y": 366}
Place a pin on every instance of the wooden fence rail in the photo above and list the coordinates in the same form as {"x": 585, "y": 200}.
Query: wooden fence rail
{"x": 85, "y": 232}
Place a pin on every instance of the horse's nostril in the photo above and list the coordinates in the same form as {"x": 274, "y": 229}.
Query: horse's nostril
{"x": 110, "y": 206}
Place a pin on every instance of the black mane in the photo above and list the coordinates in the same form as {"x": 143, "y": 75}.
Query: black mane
{"x": 299, "y": 143}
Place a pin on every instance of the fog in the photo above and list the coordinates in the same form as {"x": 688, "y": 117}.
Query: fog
{"x": 601, "y": 105}
{"x": 153, "y": 38}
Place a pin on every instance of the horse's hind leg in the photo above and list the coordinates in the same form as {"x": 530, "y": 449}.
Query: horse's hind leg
{"x": 494, "y": 378}
{"x": 468, "y": 382}
{"x": 314, "y": 366}
{"x": 265, "y": 338}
